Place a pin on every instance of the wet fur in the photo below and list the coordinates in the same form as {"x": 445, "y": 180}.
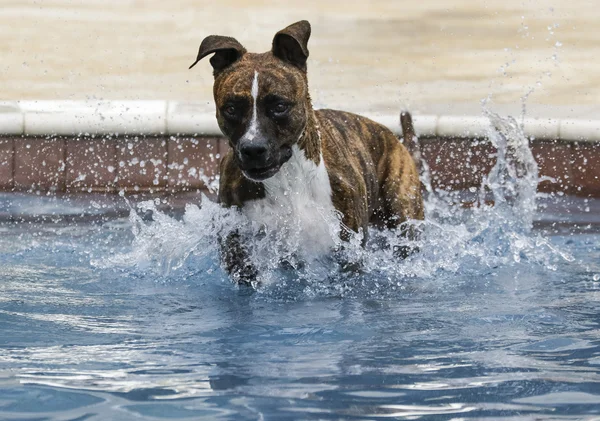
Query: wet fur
{"x": 372, "y": 177}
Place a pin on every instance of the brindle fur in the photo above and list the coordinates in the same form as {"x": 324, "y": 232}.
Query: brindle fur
{"x": 373, "y": 177}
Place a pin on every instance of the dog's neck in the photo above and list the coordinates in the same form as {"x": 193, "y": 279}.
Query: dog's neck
{"x": 310, "y": 139}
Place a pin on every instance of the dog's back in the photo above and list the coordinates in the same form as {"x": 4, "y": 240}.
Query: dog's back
{"x": 373, "y": 176}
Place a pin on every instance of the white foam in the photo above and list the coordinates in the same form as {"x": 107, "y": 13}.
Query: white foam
{"x": 296, "y": 222}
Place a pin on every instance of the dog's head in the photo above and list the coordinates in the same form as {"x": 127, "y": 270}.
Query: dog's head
{"x": 262, "y": 100}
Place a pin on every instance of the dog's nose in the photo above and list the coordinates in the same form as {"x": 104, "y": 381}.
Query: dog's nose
{"x": 253, "y": 152}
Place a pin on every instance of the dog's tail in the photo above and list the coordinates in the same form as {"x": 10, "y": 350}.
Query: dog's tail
{"x": 410, "y": 139}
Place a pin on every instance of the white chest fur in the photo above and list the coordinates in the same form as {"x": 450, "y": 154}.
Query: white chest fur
{"x": 297, "y": 208}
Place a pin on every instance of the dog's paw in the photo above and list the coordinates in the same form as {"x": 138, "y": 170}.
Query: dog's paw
{"x": 405, "y": 251}
{"x": 347, "y": 264}
{"x": 246, "y": 275}
{"x": 351, "y": 267}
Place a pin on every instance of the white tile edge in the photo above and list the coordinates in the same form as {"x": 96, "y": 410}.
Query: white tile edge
{"x": 191, "y": 120}
{"x": 580, "y": 130}
{"x": 73, "y": 118}
{"x": 12, "y": 124}
{"x": 542, "y": 128}
{"x": 163, "y": 118}
{"x": 12, "y": 121}
{"x": 462, "y": 126}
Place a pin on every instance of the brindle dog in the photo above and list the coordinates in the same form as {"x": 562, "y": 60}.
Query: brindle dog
{"x": 289, "y": 158}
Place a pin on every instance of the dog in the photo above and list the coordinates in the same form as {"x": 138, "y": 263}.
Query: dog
{"x": 292, "y": 164}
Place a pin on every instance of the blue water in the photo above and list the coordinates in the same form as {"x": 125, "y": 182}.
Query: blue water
{"x": 78, "y": 342}
{"x": 108, "y": 316}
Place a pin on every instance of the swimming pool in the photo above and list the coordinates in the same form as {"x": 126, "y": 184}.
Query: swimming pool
{"x": 109, "y": 316}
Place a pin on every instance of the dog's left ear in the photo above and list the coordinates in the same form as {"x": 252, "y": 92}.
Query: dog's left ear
{"x": 290, "y": 44}
{"x": 227, "y": 51}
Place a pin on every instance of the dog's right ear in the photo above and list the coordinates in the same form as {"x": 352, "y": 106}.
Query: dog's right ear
{"x": 227, "y": 51}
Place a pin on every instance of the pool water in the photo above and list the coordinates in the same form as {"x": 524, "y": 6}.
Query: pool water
{"x": 111, "y": 317}
{"x": 516, "y": 341}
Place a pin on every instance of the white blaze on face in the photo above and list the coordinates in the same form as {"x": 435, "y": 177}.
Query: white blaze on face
{"x": 253, "y": 129}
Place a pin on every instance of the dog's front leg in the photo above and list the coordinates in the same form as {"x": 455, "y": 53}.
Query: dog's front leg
{"x": 235, "y": 259}
{"x": 353, "y": 225}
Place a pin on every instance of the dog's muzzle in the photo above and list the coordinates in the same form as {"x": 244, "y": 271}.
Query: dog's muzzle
{"x": 258, "y": 163}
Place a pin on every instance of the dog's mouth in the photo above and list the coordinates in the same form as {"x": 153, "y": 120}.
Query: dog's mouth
{"x": 260, "y": 174}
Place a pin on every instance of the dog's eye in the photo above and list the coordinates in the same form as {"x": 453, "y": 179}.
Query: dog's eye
{"x": 280, "y": 109}
{"x": 230, "y": 111}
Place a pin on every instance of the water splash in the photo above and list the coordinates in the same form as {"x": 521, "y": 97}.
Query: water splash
{"x": 514, "y": 179}
{"x": 456, "y": 242}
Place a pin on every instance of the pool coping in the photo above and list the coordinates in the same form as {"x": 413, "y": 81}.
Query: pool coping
{"x": 158, "y": 117}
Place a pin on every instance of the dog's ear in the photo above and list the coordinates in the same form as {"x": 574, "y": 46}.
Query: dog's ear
{"x": 227, "y": 51}
{"x": 290, "y": 44}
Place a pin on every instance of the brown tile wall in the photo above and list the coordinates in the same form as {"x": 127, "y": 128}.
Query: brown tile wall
{"x": 175, "y": 164}
{"x": 91, "y": 165}
{"x": 192, "y": 161}
{"x": 39, "y": 164}
{"x": 141, "y": 163}
{"x": 457, "y": 164}
{"x": 6, "y": 163}
{"x": 554, "y": 161}
{"x": 585, "y": 164}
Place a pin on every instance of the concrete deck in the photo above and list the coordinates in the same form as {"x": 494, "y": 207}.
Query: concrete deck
{"x": 439, "y": 57}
